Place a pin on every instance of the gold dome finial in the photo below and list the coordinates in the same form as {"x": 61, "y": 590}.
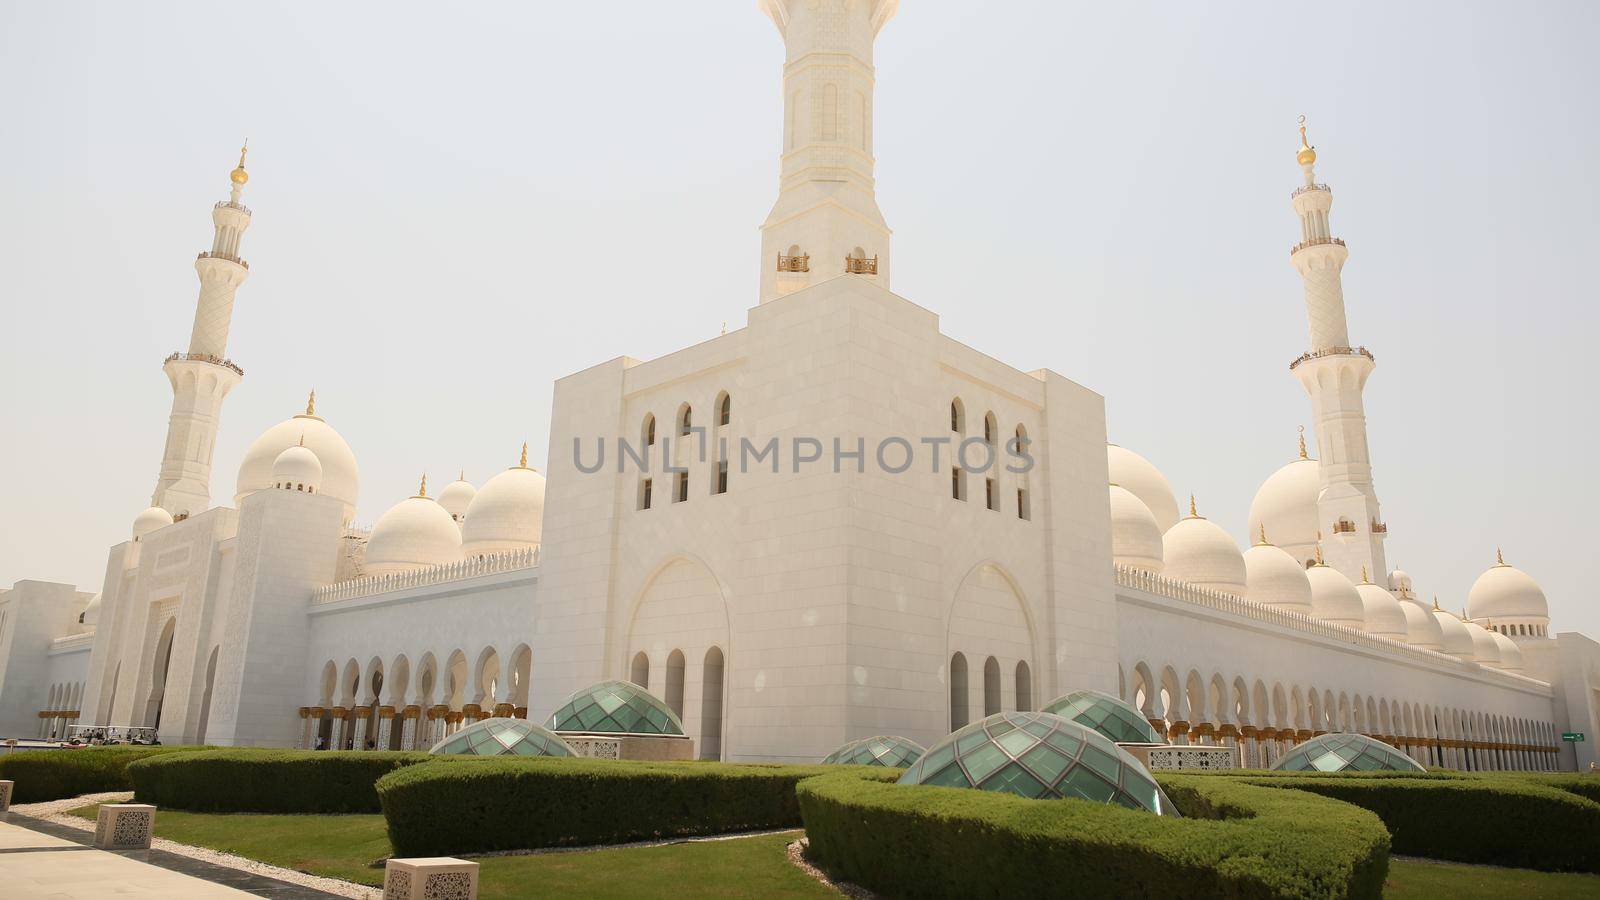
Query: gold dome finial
{"x": 422, "y": 490}
{"x": 1436, "y": 603}
{"x": 1499, "y": 558}
{"x": 462, "y": 476}
{"x": 239, "y": 175}
{"x": 1319, "y": 552}
{"x": 311, "y": 403}
{"x": 1308, "y": 153}
{"x": 523, "y": 463}
{"x": 1303, "y": 443}
{"x": 1193, "y": 512}
{"x": 302, "y": 438}
{"x": 1263, "y": 540}
{"x": 1364, "y": 578}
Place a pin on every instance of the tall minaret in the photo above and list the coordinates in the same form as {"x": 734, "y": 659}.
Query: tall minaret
{"x": 202, "y": 377}
{"x": 1334, "y": 374}
{"x": 826, "y": 221}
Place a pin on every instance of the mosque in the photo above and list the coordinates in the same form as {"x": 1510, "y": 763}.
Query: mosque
{"x": 784, "y": 605}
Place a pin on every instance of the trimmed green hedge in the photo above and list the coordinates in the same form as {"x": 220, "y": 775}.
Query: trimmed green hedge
{"x": 1583, "y": 785}
{"x": 1236, "y": 840}
{"x": 42, "y": 775}
{"x": 467, "y": 805}
{"x": 268, "y": 781}
{"x": 1494, "y": 819}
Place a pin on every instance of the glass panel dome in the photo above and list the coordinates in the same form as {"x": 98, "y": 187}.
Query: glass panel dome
{"x": 881, "y": 750}
{"x": 1340, "y": 752}
{"x": 615, "y": 707}
{"x": 1040, "y": 755}
{"x": 1116, "y": 719}
{"x": 503, "y": 737}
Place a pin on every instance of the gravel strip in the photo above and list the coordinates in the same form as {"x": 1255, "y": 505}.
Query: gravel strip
{"x": 797, "y": 855}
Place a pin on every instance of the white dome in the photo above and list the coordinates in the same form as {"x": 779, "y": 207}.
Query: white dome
{"x": 1484, "y": 649}
{"x": 456, "y": 497}
{"x": 1135, "y": 473}
{"x": 1400, "y": 583}
{"x": 1422, "y": 629}
{"x": 1135, "y": 536}
{"x": 1286, "y": 504}
{"x": 1275, "y": 578}
{"x": 1507, "y": 592}
{"x": 507, "y": 513}
{"x": 413, "y": 534}
{"x": 1381, "y": 613}
{"x": 1199, "y": 552}
{"x": 149, "y": 520}
{"x": 91, "y": 612}
{"x": 1334, "y": 598}
{"x": 1510, "y": 653}
{"x": 297, "y": 468}
{"x": 340, "y": 478}
{"x": 1457, "y": 640}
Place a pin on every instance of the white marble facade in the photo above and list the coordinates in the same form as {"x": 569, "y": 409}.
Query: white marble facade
{"x": 835, "y": 581}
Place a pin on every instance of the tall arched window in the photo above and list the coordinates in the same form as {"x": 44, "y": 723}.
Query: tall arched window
{"x": 647, "y": 432}
{"x": 958, "y": 416}
{"x": 711, "y": 677}
{"x": 641, "y": 670}
{"x": 958, "y": 691}
{"x": 1024, "y": 687}
{"x": 675, "y": 682}
{"x": 991, "y": 686}
{"x": 684, "y": 420}
{"x": 724, "y": 409}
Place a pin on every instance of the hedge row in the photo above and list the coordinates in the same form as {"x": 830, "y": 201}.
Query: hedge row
{"x": 1235, "y": 840}
{"x": 268, "y": 781}
{"x": 467, "y": 805}
{"x": 42, "y": 775}
{"x": 1491, "y": 819}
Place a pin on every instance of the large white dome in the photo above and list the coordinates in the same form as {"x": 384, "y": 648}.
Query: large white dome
{"x": 297, "y": 469}
{"x": 1510, "y": 653}
{"x": 1135, "y": 536}
{"x": 1135, "y": 473}
{"x": 1457, "y": 640}
{"x": 457, "y": 496}
{"x": 1199, "y": 552}
{"x": 1286, "y": 504}
{"x": 340, "y": 478}
{"x": 1381, "y": 613}
{"x": 1422, "y": 629}
{"x": 414, "y": 534}
{"x": 1334, "y": 598}
{"x": 1274, "y": 578}
{"x": 1484, "y": 649}
{"x": 507, "y": 513}
{"x": 151, "y": 519}
{"x": 1507, "y": 592}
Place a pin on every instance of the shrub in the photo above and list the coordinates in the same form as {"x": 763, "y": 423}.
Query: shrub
{"x": 1581, "y": 784}
{"x": 1236, "y": 840}
{"x": 269, "y": 781}
{"x": 55, "y": 774}
{"x": 468, "y": 805}
{"x": 1496, "y": 819}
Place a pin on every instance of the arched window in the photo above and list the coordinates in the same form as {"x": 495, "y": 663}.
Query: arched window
{"x": 724, "y": 409}
{"x": 990, "y": 429}
{"x": 684, "y": 420}
{"x": 958, "y": 416}
{"x": 958, "y": 691}
{"x": 991, "y": 686}
{"x": 711, "y": 705}
{"x": 675, "y": 682}
{"x": 1024, "y": 687}
{"x": 641, "y": 670}
{"x": 647, "y": 432}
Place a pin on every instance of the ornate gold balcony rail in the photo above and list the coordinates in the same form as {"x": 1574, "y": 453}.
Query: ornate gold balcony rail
{"x": 229, "y": 204}
{"x": 1331, "y": 351}
{"x": 1344, "y": 526}
{"x": 207, "y": 358}
{"x": 207, "y": 254}
{"x": 856, "y": 266}
{"x": 1297, "y": 191}
{"x": 794, "y": 263}
{"x": 1379, "y": 527}
{"x": 1313, "y": 242}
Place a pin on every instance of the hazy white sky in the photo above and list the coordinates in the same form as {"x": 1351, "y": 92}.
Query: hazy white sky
{"x": 457, "y": 204}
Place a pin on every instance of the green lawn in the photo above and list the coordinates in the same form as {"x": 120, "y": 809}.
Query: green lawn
{"x": 1418, "y": 878}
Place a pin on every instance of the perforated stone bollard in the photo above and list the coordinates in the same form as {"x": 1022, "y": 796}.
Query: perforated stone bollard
{"x": 5, "y": 797}
{"x": 124, "y": 826}
{"x": 430, "y": 878}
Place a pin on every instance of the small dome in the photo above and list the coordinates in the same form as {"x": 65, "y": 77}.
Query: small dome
{"x": 1381, "y": 613}
{"x": 1286, "y": 504}
{"x": 149, "y": 520}
{"x": 1135, "y": 535}
{"x": 615, "y": 707}
{"x": 1039, "y": 755}
{"x": 414, "y": 534}
{"x": 507, "y": 513}
{"x": 882, "y": 750}
{"x": 1422, "y": 629}
{"x": 1400, "y": 583}
{"x": 1339, "y": 752}
{"x": 1484, "y": 650}
{"x": 1334, "y": 598}
{"x": 340, "y": 478}
{"x": 1510, "y": 653}
{"x": 1457, "y": 640}
{"x": 1200, "y": 553}
{"x": 1116, "y": 719}
{"x": 91, "y": 612}
{"x": 457, "y": 496}
{"x": 1506, "y": 592}
{"x": 297, "y": 468}
{"x": 1135, "y": 473}
{"x": 1274, "y": 578}
{"x": 503, "y": 737}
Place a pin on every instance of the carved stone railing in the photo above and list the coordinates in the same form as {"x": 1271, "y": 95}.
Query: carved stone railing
{"x": 1331, "y": 351}
{"x": 1309, "y": 187}
{"x": 1316, "y": 242}
{"x": 856, "y": 266}
{"x": 229, "y": 204}
{"x": 372, "y": 585}
{"x": 210, "y": 254}
{"x": 1228, "y": 603}
{"x": 207, "y": 358}
{"x": 794, "y": 263}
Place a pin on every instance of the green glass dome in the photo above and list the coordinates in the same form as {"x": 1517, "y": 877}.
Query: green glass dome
{"x": 615, "y": 707}
{"x": 1340, "y": 752}
{"x": 503, "y": 737}
{"x": 1114, "y": 718}
{"x": 1040, "y": 755}
{"x": 881, "y": 750}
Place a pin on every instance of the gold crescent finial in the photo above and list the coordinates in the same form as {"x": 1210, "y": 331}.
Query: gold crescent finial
{"x": 302, "y": 438}
{"x": 239, "y": 176}
{"x": 1264, "y": 533}
{"x": 1303, "y": 442}
{"x": 422, "y": 490}
{"x": 462, "y": 476}
{"x": 1364, "y": 578}
{"x": 1319, "y": 552}
{"x": 1308, "y": 153}
{"x": 1436, "y": 603}
{"x": 1192, "y": 511}
{"x": 523, "y": 464}
{"x": 1499, "y": 558}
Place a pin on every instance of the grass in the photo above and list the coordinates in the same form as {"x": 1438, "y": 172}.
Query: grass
{"x": 345, "y": 846}
{"x": 1421, "y": 878}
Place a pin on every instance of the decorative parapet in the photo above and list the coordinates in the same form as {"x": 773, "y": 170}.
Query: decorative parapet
{"x": 794, "y": 263}
{"x": 212, "y": 254}
{"x": 372, "y": 585}
{"x": 1331, "y": 351}
{"x": 1228, "y": 603}
{"x": 1309, "y": 187}
{"x": 206, "y": 358}
{"x": 857, "y": 266}
{"x": 1315, "y": 242}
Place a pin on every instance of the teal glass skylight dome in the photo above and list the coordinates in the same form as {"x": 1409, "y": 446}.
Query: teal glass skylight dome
{"x": 615, "y": 707}
{"x": 1340, "y": 752}
{"x": 1116, "y": 719}
{"x": 879, "y": 750}
{"x": 503, "y": 737}
{"x": 1043, "y": 756}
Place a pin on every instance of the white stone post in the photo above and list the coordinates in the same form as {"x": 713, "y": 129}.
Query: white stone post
{"x": 430, "y": 878}
{"x": 5, "y": 797}
{"x": 124, "y": 826}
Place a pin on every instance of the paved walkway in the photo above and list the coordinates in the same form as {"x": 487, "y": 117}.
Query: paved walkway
{"x": 39, "y": 859}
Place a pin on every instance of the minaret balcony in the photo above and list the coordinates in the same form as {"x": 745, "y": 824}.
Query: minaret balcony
{"x": 1379, "y": 527}
{"x": 1344, "y": 526}
{"x": 794, "y": 263}
{"x": 858, "y": 266}
{"x": 1309, "y": 187}
{"x": 206, "y": 358}
{"x": 1331, "y": 351}
{"x": 230, "y": 204}
{"x": 210, "y": 254}
{"x": 1316, "y": 242}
